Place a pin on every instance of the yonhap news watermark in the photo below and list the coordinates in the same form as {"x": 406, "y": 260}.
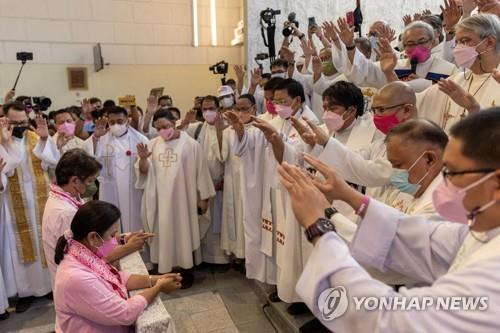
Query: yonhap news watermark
{"x": 333, "y": 303}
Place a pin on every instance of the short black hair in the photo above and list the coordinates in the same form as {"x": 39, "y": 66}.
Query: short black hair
{"x": 16, "y": 106}
{"x": 116, "y": 110}
{"x": 249, "y": 97}
{"x": 94, "y": 100}
{"x": 273, "y": 83}
{"x": 164, "y": 113}
{"x": 108, "y": 103}
{"x": 420, "y": 130}
{"x": 293, "y": 89}
{"x": 75, "y": 110}
{"x": 22, "y": 98}
{"x": 76, "y": 162}
{"x": 230, "y": 81}
{"x": 173, "y": 109}
{"x": 279, "y": 63}
{"x": 211, "y": 98}
{"x": 165, "y": 97}
{"x": 54, "y": 114}
{"x": 479, "y": 134}
{"x": 266, "y": 76}
{"x": 346, "y": 94}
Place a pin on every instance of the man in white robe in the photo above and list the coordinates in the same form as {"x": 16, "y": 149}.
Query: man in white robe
{"x": 50, "y": 150}
{"x": 116, "y": 150}
{"x": 277, "y": 234}
{"x": 417, "y": 38}
{"x": 4, "y": 301}
{"x": 455, "y": 259}
{"x": 173, "y": 172}
{"x": 23, "y": 260}
{"x": 207, "y": 134}
{"x": 483, "y": 33}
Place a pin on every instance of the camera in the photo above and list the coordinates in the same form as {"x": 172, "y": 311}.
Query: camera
{"x": 261, "y": 57}
{"x": 40, "y": 103}
{"x": 269, "y": 14}
{"x": 290, "y": 20}
{"x": 221, "y": 67}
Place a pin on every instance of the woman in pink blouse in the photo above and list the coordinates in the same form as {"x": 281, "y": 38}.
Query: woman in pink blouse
{"x": 91, "y": 295}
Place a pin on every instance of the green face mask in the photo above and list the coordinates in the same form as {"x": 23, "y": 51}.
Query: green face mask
{"x": 328, "y": 68}
{"x": 90, "y": 191}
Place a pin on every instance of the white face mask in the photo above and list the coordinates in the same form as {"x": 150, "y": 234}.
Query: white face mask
{"x": 227, "y": 102}
{"x": 118, "y": 130}
{"x": 280, "y": 75}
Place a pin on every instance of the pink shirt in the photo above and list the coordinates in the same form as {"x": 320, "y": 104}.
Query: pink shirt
{"x": 85, "y": 302}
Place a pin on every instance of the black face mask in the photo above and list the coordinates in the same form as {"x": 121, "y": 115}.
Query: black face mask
{"x": 18, "y": 132}
{"x": 95, "y": 114}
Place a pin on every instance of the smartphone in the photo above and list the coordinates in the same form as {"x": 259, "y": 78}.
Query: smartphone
{"x": 350, "y": 18}
{"x": 312, "y": 22}
{"x": 157, "y": 92}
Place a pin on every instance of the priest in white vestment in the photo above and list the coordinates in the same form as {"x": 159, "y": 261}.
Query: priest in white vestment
{"x": 51, "y": 150}
{"x": 206, "y": 134}
{"x": 427, "y": 69}
{"x": 116, "y": 150}
{"x": 4, "y": 301}
{"x": 477, "y": 54}
{"x": 23, "y": 260}
{"x": 457, "y": 260}
{"x": 173, "y": 172}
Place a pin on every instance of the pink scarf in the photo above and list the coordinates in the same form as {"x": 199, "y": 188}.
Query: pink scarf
{"x": 59, "y": 193}
{"x": 97, "y": 265}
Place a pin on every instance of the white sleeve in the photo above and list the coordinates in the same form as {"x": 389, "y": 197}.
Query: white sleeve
{"x": 47, "y": 152}
{"x": 365, "y": 73}
{"x": 354, "y": 167}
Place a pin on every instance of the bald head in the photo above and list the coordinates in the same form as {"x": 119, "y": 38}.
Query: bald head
{"x": 376, "y": 26}
{"x": 397, "y": 93}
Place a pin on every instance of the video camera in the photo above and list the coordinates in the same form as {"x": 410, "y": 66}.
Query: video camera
{"x": 37, "y": 104}
{"x": 220, "y": 68}
{"x": 292, "y": 19}
{"x": 268, "y": 15}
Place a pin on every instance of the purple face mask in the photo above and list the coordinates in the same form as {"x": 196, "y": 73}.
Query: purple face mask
{"x": 420, "y": 53}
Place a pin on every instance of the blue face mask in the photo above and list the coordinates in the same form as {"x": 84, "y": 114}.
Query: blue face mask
{"x": 400, "y": 179}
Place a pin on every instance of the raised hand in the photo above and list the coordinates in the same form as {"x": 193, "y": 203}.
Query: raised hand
{"x": 240, "y": 71}
{"x": 152, "y": 104}
{"x": 255, "y": 77}
{"x": 387, "y": 57}
{"x": 9, "y": 95}
{"x": 143, "y": 151}
{"x": 62, "y": 140}
{"x": 41, "y": 127}
{"x": 451, "y": 15}
{"x": 489, "y": 7}
{"x": 305, "y": 133}
{"x": 307, "y": 47}
{"x": 407, "y": 19}
{"x": 468, "y": 7}
{"x": 321, "y": 136}
{"x": 426, "y": 12}
{"x": 100, "y": 127}
{"x": 267, "y": 129}
{"x": 5, "y": 130}
{"x": 233, "y": 119}
{"x": 417, "y": 17}
{"x": 86, "y": 106}
{"x": 317, "y": 67}
{"x": 287, "y": 54}
{"x": 345, "y": 32}
{"x": 384, "y": 31}
{"x": 459, "y": 95}
{"x": 219, "y": 124}
{"x": 308, "y": 203}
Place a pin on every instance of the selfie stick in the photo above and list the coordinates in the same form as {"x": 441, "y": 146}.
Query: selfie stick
{"x": 23, "y": 62}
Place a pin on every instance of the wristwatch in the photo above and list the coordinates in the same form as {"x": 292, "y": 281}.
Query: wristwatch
{"x": 319, "y": 228}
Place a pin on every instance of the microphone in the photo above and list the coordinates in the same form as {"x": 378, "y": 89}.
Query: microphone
{"x": 414, "y": 63}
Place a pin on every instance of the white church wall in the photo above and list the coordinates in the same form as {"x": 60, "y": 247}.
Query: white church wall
{"x": 391, "y": 11}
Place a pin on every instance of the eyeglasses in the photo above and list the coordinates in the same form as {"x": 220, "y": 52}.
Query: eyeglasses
{"x": 242, "y": 109}
{"x": 447, "y": 174}
{"x": 420, "y": 42}
{"x": 381, "y": 109}
{"x": 23, "y": 124}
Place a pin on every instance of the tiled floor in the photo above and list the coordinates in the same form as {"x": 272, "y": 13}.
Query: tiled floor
{"x": 217, "y": 302}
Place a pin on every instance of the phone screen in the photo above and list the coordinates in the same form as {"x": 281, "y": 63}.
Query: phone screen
{"x": 350, "y": 18}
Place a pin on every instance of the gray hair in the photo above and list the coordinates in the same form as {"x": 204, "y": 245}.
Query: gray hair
{"x": 484, "y": 25}
{"x": 419, "y": 25}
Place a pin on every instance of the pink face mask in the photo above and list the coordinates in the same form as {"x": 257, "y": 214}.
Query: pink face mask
{"x": 333, "y": 121}
{"x": 167, "y": 133}
{"x": 284, "y": 111}
{"x": 107, "y": 247}
{"x": 210, "y": 116}
{"x": 270, "y": 107}
{"x": 68, "y": 129}
{"x": 385, "y": 123}
{"x": 420, "y": 53}
{"x": 465, "y": 56}
{"x": 448, "y": 201}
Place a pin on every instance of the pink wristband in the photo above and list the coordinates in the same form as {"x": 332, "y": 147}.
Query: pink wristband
{"x": 364, "y": 205}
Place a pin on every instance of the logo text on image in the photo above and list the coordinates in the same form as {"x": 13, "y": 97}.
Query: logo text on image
{"x": 333, "y": 303}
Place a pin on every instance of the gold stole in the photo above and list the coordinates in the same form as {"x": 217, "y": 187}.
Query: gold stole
{"x": 18, "y": 204}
